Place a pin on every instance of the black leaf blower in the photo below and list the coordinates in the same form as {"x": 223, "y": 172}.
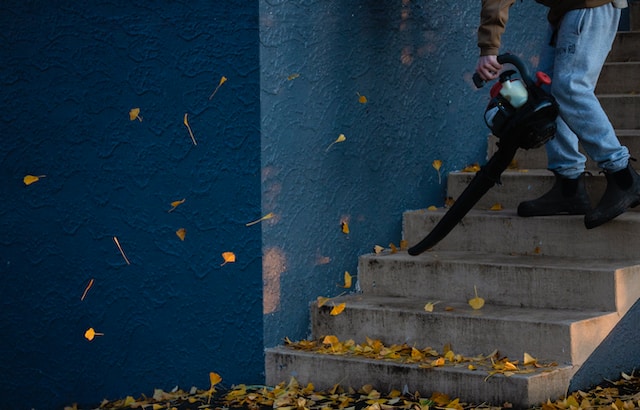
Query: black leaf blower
{"x": 522, "y": 115}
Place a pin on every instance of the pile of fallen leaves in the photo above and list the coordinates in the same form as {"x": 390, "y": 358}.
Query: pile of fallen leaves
{"x": 425, "y": 358}
{"x": 614, "y": 395}
{"x": 623, "y": 394}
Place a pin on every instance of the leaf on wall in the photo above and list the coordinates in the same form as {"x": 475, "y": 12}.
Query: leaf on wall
{"x": 90, "y": 334}
{"x": 264, "y": 218}
{"x": 176, "y": 204}
{"x": 186, "y": 124}
{"x": 229, "y": 257}
{"x": 134, "y": 114}
{"x": 30, "y": 179}
{"x": 341, "y": 138}
{"x": 222, "y": 81}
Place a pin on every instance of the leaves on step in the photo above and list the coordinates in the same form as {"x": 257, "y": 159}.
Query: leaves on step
{"x": 425, "y": 358}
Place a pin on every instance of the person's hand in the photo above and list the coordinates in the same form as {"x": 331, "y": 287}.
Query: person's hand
{"x": 488, "y": 67}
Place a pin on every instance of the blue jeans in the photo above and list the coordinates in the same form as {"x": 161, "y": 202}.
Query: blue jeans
{"x": 582, "y": 42}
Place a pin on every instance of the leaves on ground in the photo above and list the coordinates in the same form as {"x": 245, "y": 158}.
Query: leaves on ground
{"x": 293, "y": 395}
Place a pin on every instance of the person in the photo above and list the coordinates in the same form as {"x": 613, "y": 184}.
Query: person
{"x": 580, "y": 36}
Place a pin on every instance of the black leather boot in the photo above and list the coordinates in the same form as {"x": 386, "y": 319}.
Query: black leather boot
{"x": 622, "y": 193}
{"x": 566, "y": 197}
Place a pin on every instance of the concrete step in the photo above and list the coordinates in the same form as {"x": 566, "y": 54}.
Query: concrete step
{"x": 620, "y": 78}
{"x": 522, "y": 185}
{"x": 528, "y": 281}
{"x": 565, "y": 336}
{"x": 537, "y": 158}
{"x": 503, "y": 232}
{"x": 626, "y": 47}
{"x": 324, "y": 371}
{"x": 623, "y": 110}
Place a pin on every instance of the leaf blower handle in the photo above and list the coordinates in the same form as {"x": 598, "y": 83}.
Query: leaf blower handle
{"x": 508, "y": 59}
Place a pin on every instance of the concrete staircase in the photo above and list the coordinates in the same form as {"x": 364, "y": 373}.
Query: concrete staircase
{"x": 552, "y": 288}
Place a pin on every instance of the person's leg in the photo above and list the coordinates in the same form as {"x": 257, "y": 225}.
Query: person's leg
{"x": 584, "y": 40}
{"x": 568, "y": 196}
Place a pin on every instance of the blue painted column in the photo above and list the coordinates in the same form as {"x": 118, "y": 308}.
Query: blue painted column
{"x": 70, "y": 74}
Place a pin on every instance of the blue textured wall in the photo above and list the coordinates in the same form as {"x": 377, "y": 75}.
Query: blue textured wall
{"x": 70, "y": 73}
{"x": 413, "y": 61}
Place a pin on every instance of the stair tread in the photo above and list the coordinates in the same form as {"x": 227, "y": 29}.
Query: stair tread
{"x": 522, "y": 390}
{"x": 482, "y": 258}
{"x": 451, "y": 368}
{"x": 463, "y": 310}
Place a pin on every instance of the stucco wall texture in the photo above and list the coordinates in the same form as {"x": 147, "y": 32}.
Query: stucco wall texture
{"x": 413, "y": 61}
{"x": 70, "y": 74}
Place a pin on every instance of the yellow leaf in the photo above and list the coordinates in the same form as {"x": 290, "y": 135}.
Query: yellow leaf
{"x": 528, "y": 359}
{"x": 438, "y": 362}
{"x": 186, "y": 124}
{"x": 393, "y": 248}
{"x": 214, "y": 378}
{"x": 347, "y": 280}
{"x": 432, "y": 208}
{"x": 228, "y": 257}
{"x": 449, "y": 201}
{"x": 378, "y": 249}
{"x": 471, "y": 367}
{"x": 472, "y": 168}
{"x": 404, "y": 245}
{"x": 322, "y": 300}
{"x": 182, "y": 233}
{"x": 362, "y": 99}
{"x": 264, "y": 218}
{"x": 477, "y": 302}
{"x": 345, "y": 227}
{"x": 134, "y": 114}
{"x": 222, "y": 81}
{"x": 341, "y": 138}
{"x": 124, "y": 256}
{"x": 293, "y": 76}
{"x": 430, "y": 305}
{"x": 496, "y": 207}
{"x": 510, "y": 366}
{"x": 176, "y": 204}
{"x": 30, "y": 179}
{"x": 437, "y": 164}
{"x": 416, "y": 354}
{"x": 129, "y": 400}
{"x": 90, "y": 334}
{"x": 330, "y": 340}
{"x": 337, "y": 309}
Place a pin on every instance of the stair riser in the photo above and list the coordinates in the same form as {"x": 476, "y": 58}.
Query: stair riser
{"x": 504, "y": 233}
{"x": 623, "y": 110}
{"x": 325, "y": 371}
{"x": 431, "y": 279}
{"x": 619, "y": 78}
{"x": 567, "y": 343}
{"x": 537, "y": 158}
{"x": 521, "y": 186}
{"x": 626, "y": 47}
